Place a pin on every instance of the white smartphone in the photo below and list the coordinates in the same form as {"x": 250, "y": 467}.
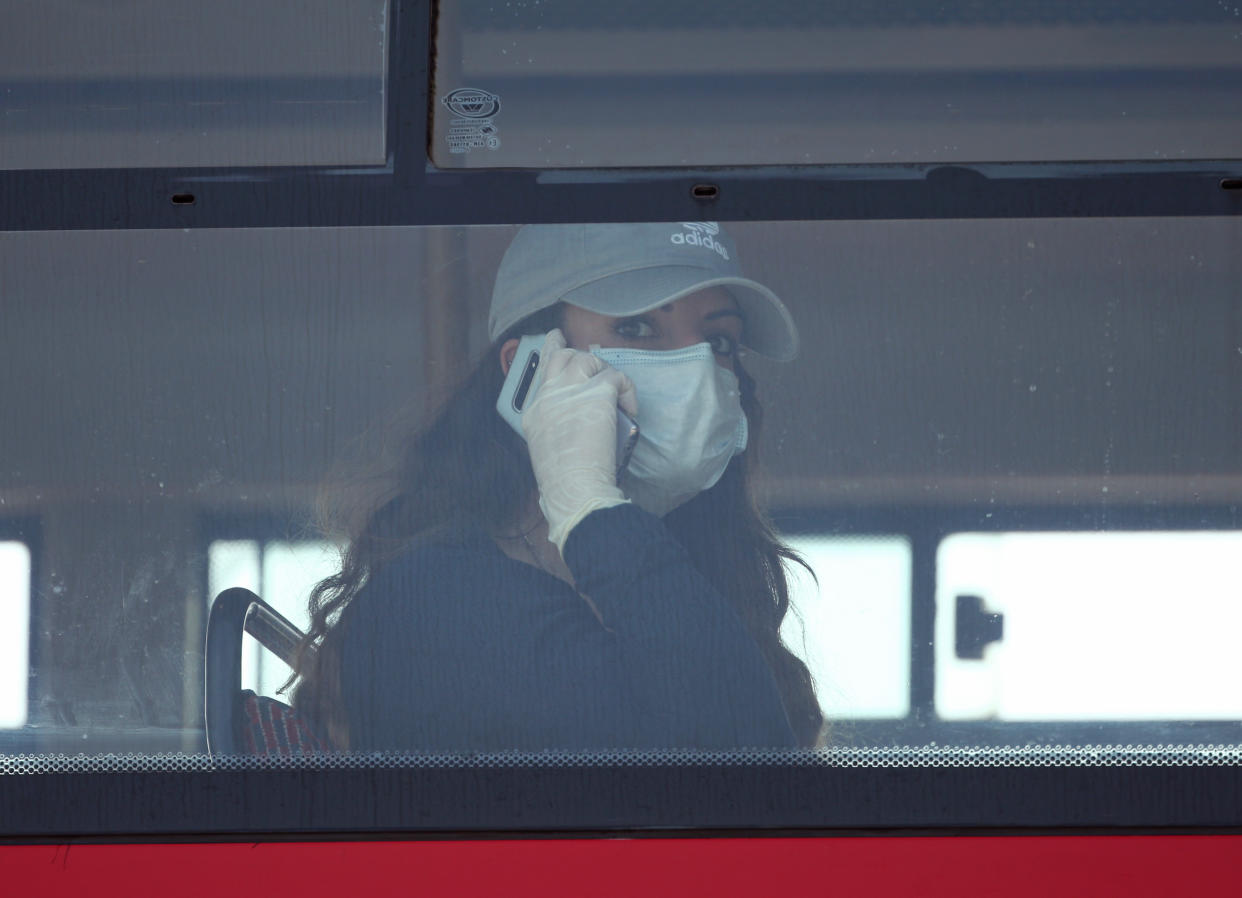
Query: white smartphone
{"x": 518, "y": 390}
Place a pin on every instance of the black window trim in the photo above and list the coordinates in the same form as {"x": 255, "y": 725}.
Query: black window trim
{"x": 752, "y": 798}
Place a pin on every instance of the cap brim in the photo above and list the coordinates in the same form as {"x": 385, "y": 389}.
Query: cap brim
{"x": 769, "y": 328}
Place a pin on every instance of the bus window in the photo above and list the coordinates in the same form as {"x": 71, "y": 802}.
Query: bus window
{"x": 919, "y": 515}
{"x": 124, "y": 86}
{"x": 570, "y": 85}
{"x": 1040, "y": 414}
{"x": 14, "y": 632}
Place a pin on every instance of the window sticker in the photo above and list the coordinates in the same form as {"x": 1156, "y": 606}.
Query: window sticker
{"x": 473, "y": 125}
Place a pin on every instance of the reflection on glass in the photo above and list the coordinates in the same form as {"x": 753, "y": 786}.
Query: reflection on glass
{"x": 178, "y": 83}
{"x": 14, "y": 632}
{"x": 283, "y": 573}
{"x": 557, "y": 84}
{"x": 851, "y": 623}
{"x": 1097, "y": 626}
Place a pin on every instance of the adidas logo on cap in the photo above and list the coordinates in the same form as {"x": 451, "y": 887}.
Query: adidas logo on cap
{"x": 700, "y": 233}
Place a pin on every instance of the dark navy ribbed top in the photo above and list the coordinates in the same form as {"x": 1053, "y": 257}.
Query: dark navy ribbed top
{"x": 454, "y": 646}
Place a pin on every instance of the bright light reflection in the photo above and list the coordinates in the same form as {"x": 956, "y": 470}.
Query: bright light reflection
{"x": 1097, "y": 626}
{"x": 853, "y": 629}
{"x": 14, "y": 633}
{"x": 283, "y": 575}
{"x": 290, "y": 572}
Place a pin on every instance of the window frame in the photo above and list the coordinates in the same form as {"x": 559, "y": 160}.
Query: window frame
{"x": 735, "y": 797}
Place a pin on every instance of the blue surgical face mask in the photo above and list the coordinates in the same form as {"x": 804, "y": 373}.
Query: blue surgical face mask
{"x": 690, "y": 423}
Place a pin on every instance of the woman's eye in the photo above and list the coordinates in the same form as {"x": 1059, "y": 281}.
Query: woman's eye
{"x": 634, "y": 329}
{"x": 723, "y": 344}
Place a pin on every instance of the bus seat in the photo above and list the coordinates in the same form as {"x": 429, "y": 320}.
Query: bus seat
{"x": 238, "y": 720}
{"x": 274, "y": 728}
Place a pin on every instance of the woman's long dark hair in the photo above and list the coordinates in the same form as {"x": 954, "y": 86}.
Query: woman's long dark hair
{"x": 469, "y": 467}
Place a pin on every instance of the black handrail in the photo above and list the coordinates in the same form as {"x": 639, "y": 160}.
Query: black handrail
{"x": 234, "y": 612}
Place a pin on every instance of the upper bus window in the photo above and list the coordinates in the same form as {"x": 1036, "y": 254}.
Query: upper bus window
{"x": 179, "y": 83}
{"x": 557, "y": 84}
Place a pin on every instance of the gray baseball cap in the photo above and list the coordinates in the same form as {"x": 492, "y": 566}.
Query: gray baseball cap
{"x": 627, "y": 269}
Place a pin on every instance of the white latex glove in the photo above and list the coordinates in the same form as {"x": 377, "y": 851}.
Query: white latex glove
{"x": 571, "y": 431}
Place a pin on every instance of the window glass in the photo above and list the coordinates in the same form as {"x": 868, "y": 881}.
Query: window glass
{"x": 178, "y": 83}
{"x": 1088, "y": 626}
{"x": 14, "y": 632}
{"x": 974, "y": 409}
{"x": 283, "y": 573}
{"x": 850, "y": 623}
{"x": 553, "y": 83}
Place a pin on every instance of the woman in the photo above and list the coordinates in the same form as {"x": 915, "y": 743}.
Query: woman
{"x": 513, "y": 592}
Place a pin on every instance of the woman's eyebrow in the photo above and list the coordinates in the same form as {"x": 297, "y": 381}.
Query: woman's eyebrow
{"x": 725, "y": 313}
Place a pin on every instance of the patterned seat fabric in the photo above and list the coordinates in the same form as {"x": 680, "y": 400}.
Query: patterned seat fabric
{"x": 274, "y": 728}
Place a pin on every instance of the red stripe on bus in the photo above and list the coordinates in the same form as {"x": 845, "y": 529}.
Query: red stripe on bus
{"x": 1012, "y": 866}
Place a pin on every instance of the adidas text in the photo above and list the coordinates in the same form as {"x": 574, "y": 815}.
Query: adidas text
{"x": 696, "y": 239}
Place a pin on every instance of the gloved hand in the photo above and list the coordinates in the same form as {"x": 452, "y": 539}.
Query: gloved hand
{"x": 571, "y": 431}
